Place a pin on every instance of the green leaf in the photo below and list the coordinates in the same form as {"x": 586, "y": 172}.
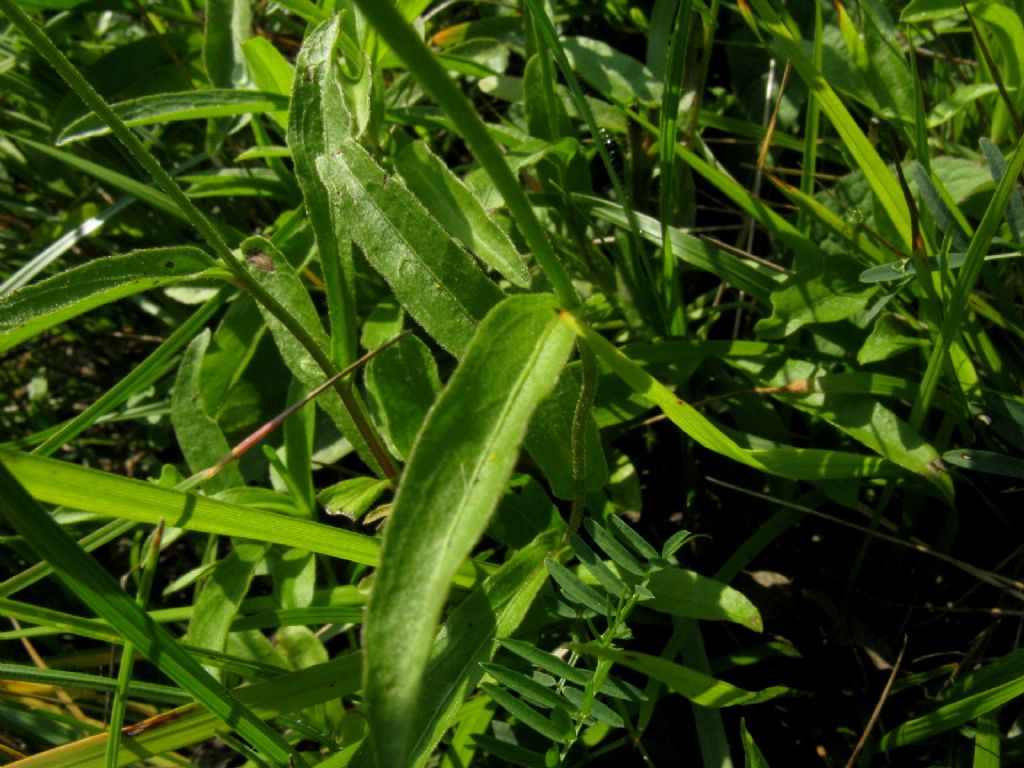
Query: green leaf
{"x": 618, "y": 77}
{"x": 282, "y": 282}
{"x": 758, "y": 281}
{"x": 352, "y": 497}
{"x": 989, "y": 462}
{"x": 556, "y": 728}
{"x": 819, "y": 294}
{"x": 173, "y": 107}
{"x": 549, "y": 440}
{"x": 270, "y": 71}
{"x": 37, "y": 307}
{"x": 492, "y": 611}
{"x": 752, "y": 756}
{"x": 510, "y": 753}
{"x": 446, "y": 198}
{"x": 688, "y": 594}
{"x": 528, "y": 688}
{"x": 191, "y": 724}
{"x": 436, "y": 281}
{"x": 217, "y": 604}
{"x": 693, "y": 685}
{"x": 317, "y": 123}
{"x": 302, "y": 649}
{"x": 611, "y": 583}
{"x": 101, "y": 493}
{"x": 796, "y": 463}
{"x": 199, "y": 436}
{"x": 98, "y": 589}
{"x": 952, "y": 715}
{"x": 921, "y": 11}
{"x": 228, "y": 23}
{"x": 883, "y": 183}
{"x": 616, "y": 551}
{"x": 574, "y": 590}
{"x": 401, "y": 385}
{"x": 454, "y": 479}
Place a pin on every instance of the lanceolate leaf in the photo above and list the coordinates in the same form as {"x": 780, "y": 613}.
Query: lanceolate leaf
{"x": 317, "y": 123}
{"x": 282, "y": 282}
{"x": 35, "y": 308}
{"x": 448, "y": 200}
{"x": 456, "y": 474}
{"x": 172, "y": 107}
{"x": 435, "y": 280}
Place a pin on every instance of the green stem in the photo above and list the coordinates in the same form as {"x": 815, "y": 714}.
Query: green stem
{"x": 92, "y": 99}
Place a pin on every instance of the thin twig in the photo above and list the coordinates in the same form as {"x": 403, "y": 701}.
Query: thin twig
{"x": 878, "y": 707}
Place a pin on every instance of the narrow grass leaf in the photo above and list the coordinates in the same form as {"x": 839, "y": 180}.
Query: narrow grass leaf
{"x": 98, "y": 589}
{"x": 174, "y": 107}
{"x": 109, "y": 495}
{"x": 882, "y": 182}
{"x": 951, "y": 715}
{"x": 987, "y": 745}
{"x": 956, "y": 304}
{"x": 35, "y": 308}
{"x": 137, "y": 189}
{"x": 453, "y": 205}
{"x": 752, "y": 755}
{"x": 796, "y": 463}
{"x": 454, "y": 479}
{"x": 758, "y": 281}
{"x": 689, "y": 683}
{"x": 989, "y": 462}
{"x": 159, "y": 694}
{"x": 187, "y": 725}
{"x": 435, "y": 280}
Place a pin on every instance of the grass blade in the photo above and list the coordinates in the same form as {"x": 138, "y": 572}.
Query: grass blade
{"x": 98, "y": 589}
{"x": 173, "y": 107}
